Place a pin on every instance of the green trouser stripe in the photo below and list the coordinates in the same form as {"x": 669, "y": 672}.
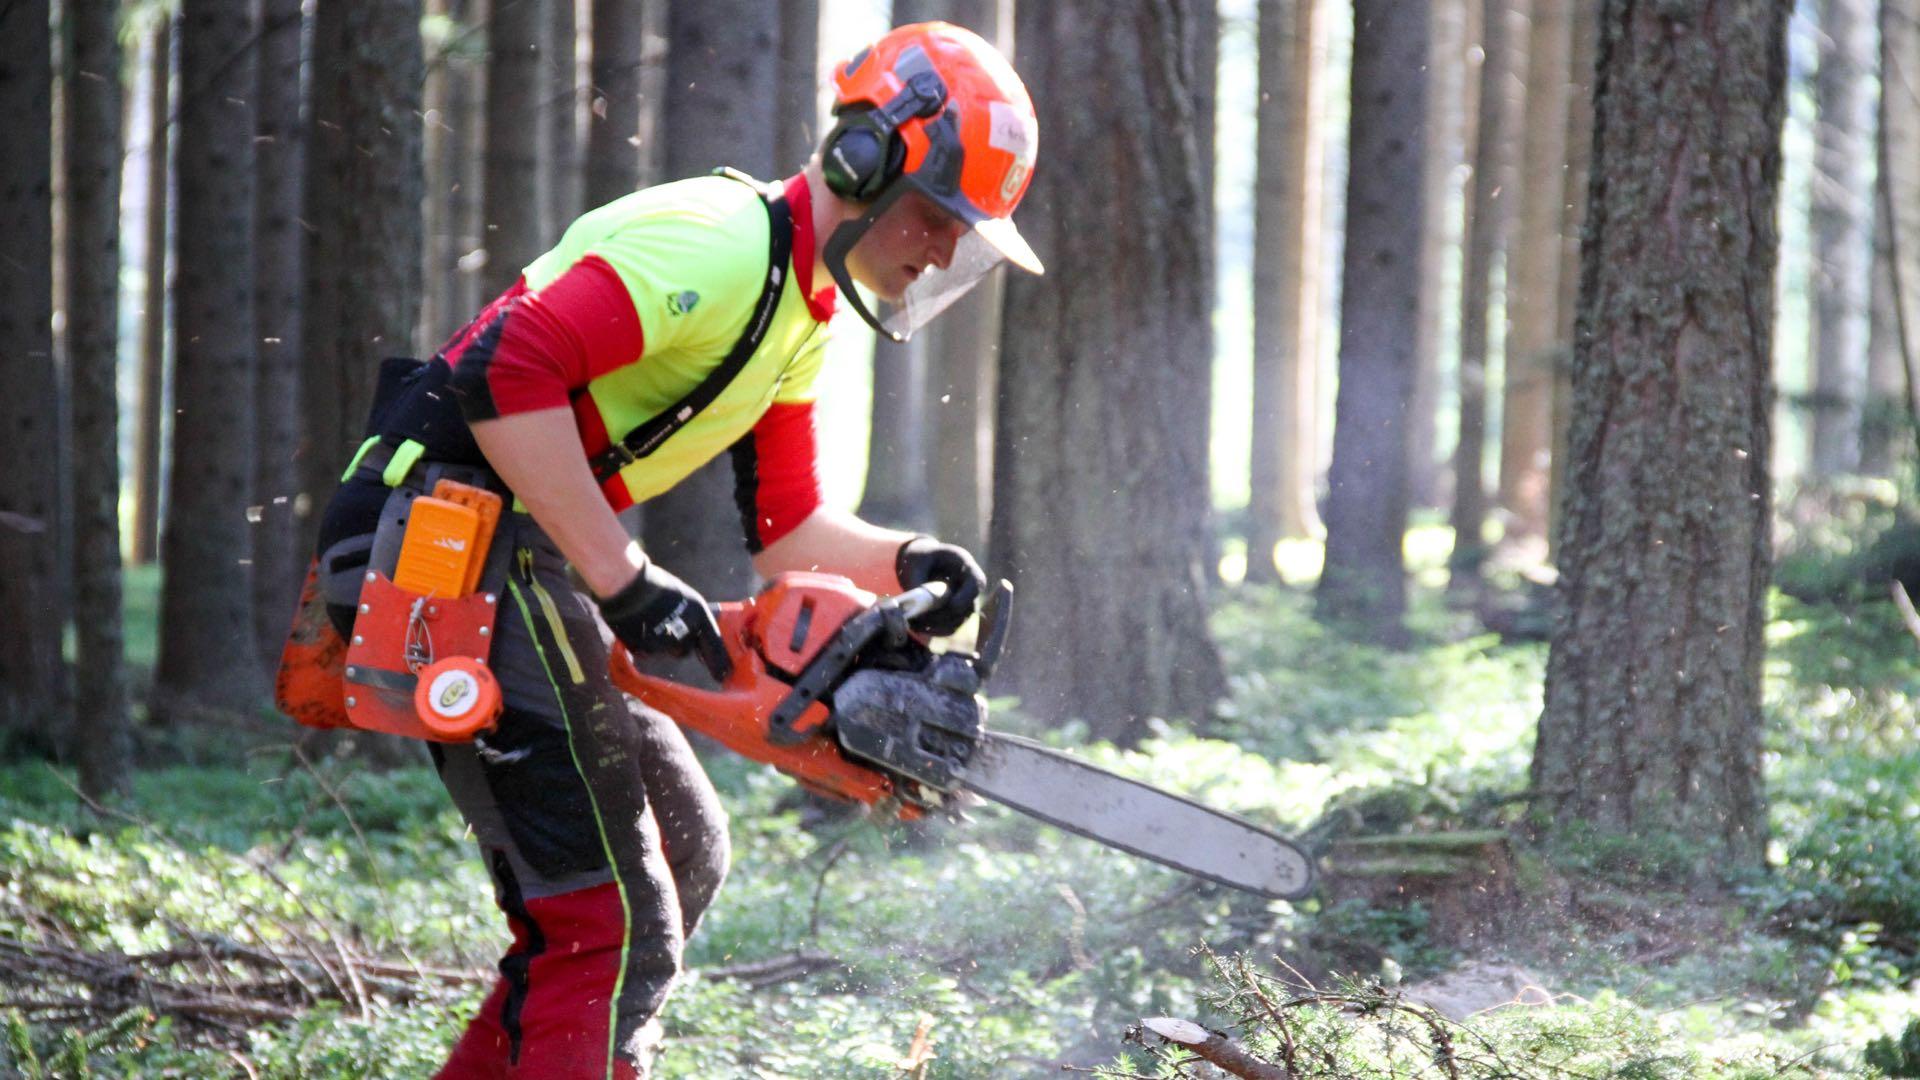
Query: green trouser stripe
{"x": 626, "y": 909}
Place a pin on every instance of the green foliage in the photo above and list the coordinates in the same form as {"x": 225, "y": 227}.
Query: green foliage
{"x": 1897, "y": 1056}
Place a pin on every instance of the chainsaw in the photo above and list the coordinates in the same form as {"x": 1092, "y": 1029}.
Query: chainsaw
{"x": 831, "y": 686}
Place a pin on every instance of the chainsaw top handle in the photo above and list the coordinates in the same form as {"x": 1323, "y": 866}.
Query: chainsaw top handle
{"x": 888, "y": 616}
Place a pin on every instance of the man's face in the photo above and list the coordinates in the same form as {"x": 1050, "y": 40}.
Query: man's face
{"x": 913, "y": 234}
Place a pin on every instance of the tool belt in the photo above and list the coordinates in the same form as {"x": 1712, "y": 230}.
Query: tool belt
{"x": 425, "y": 605}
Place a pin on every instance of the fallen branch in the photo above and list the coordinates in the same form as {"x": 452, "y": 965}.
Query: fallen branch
{"x": 1214, "y": 1048}
{"x": 762, "y": 973}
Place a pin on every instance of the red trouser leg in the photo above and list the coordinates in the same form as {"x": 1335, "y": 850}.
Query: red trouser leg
{"x": 481, "y": 1053}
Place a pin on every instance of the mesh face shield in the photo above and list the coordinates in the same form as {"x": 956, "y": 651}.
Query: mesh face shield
{"x": 983, "y": 247}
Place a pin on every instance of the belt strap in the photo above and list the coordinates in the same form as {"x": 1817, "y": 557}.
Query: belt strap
{"x": 649, "y": 436}
{"x": 394, "y": 464}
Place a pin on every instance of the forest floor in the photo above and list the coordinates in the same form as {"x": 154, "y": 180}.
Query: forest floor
{"x": 253, "y": 912}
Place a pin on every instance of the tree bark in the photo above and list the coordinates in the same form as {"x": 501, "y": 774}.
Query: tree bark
{"x": 1364, "y": 581}
{"x": 1100, "y": 508}
{"x": 1448, "y": 149}
{"x": 721, "y": 53}
{"x": 1892, "y": 343}
{"x": 897, "y": 492}
{"x": 1533, "y": 267}
{"x": 614, "y": 155}
{"x": 103, "y": 715}
{"x": 364, "y": 184}
{"x": 1841, "y": 219}
{"x": 442, "y": 174}
{"x": 1652, "y": 719}
{"x": 561, "y": 160}
{"x": 208, "y": 656}
{"x": 279, "y": 164}
{"x": 149, "y": 431}
{"x": 516, "y": 185}
{"x": 1585, "y": 39}
{"x": 797, "y": 129}
{"x": 32, "y": 673}
{"x": 1489, "y": 210}
{"x": 1285, "y": 293}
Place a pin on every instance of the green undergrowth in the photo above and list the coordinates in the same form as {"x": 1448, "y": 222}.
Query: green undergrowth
{"x": 1012, "y": 949}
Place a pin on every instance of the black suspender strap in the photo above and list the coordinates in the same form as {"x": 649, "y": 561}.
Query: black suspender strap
{"x": 648, "y": 437}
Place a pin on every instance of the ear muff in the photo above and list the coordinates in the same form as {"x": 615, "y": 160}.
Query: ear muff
{"x": 862, "y": 154}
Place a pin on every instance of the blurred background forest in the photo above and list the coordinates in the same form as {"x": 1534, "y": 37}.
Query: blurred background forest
{"x": 1478, "y": 436}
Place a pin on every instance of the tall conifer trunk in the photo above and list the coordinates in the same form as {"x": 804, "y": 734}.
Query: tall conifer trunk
{"x": 1364, "y": 579}
{"x": 102, "y": 713}
{"x": 280, "y": 163}
{"x": 208, "y": 655}
{"x": 1841, "y": 218}
{"x": 1285, "y": 294}
{"x": 1652, "y": 719}
{"x": 1100, "y": 505}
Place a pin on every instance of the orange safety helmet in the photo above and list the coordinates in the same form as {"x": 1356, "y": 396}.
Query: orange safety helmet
{"x": 932, "y": 108}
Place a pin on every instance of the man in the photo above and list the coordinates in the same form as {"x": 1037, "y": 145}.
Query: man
{"x": 665, "y": 327}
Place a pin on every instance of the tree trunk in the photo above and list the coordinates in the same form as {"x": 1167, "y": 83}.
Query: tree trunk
{"x": 962, "y": 347}
{"x": 208, "y": 656}
{"x": 103, "y": 716}
{"x": 561, "y": 157}
{"x": 364, "y": 183}
{"x": 442, "y": 173}
{"x": 1652, "y": 720}
{"x": 1202, "y": 32}
{"x": 1895, "y": 339}
{"x": 1100, "y": 507}
{"x": 613, "y": 116}
{"x": 279, "y": 166}
{"x": 897, "y": 493}
{"x": 1841, "y": 219}
{"x": 149, "y": 432}
{"x": 32, "y": 672}
{"x": 797, "y": 128}
{"x": 1285, "y": 316}
{"x": 1533, "y": 266}
{"x": 1585, "y": 39}
{"x": 514, "y": 191}
{"x": 721, "y": 53}
{"x": 1489, "y": 209}
{"x": 1448, "y": 99}
{"x": 1364, "y": 580}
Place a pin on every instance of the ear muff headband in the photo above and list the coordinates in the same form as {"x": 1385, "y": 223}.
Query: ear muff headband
{"x": 862, "y": 154}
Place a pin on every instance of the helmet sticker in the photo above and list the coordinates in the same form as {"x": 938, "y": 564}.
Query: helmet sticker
{"x": 1010, "y": 130}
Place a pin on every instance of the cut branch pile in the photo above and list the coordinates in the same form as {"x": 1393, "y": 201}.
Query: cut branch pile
{"x": 216, "y": 988}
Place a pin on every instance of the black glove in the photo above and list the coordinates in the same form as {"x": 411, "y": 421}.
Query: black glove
{"x": 658, "y": 613}
{"x": 923, "y": 559}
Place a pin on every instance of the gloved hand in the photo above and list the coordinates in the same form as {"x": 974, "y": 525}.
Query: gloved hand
{"x": 923, "y": 559}
{"x": 658, "y": 613}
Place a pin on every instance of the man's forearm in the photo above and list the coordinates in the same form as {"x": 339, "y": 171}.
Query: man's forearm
{"x": 837, "y": 542}
{"x": 539, "y": 456}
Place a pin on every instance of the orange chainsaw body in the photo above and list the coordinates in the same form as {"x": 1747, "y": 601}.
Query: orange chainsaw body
{"x": 771, "y": 637}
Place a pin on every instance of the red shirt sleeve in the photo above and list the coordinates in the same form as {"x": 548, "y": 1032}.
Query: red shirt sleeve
{"x": 776, "y": 474}
{"x": 532, "y": 350}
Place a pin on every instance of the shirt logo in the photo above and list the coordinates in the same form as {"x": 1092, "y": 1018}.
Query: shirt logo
{"x": 682, "y": 302}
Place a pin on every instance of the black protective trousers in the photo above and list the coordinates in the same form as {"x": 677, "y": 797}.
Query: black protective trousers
{"x": 603, "y": 836}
